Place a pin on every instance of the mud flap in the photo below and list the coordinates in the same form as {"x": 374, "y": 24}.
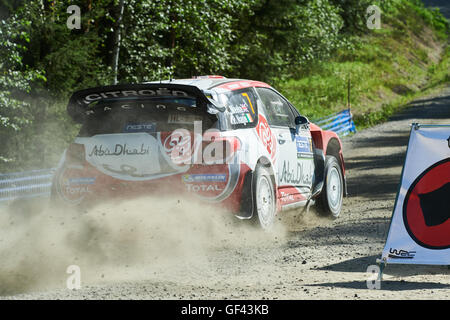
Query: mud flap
{"x": 246, "y": 208}
{"x": 319, "y": 168}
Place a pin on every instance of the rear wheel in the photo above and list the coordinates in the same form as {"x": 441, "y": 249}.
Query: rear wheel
{"x": 330, "y": 200}
{"x": 264, "y": 197}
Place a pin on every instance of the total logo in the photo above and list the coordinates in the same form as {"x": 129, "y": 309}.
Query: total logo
{"x": 73, "y": 188}
{"x": 77, "y": 190}
{"x": 202, "y": 187}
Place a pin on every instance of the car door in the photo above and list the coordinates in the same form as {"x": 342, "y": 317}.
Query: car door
{"x": 282, "y": 122}
{"x": 305, "y": 156}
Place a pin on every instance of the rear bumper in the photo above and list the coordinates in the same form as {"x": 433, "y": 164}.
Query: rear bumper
{"x": 86, "y": 186}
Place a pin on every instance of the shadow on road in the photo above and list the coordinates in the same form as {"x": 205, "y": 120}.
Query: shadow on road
{"x": 393, "y": 270}
{"x": 385, "y": 140}
{"x": 373, "y": 229}
{"x": 376, "y": 162}
{"x": 352, "y": 265}
{"x": 374, "y": 186}
{"x": 400, "y": 285}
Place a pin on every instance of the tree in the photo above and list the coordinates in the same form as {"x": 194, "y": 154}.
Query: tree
{"x": 275, "y": 37}
{"x": 117, "y": 37}
{"x": 178, "y": 38}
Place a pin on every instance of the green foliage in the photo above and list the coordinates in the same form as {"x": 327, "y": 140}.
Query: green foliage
{"x": 14, "y": 77}
{"x": 38, "y": 67}
{"x": 183, "y": 38}
{"x": 308, "y": 48}
{"x": 431, "y": 17}
{"x": 440, "y": 73}
{"x": 353, "y": 14}
{"x": 386, "y": 68}
{"x": 277, "y": 36}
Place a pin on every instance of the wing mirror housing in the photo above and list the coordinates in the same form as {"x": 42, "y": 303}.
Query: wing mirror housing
{"x": 301, "y": 122}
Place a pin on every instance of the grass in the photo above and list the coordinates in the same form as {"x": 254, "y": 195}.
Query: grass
{"x": 386, "y": 68}
{"x": 439, "y": 75}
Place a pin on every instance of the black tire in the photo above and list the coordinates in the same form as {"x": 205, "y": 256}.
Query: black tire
{"x": 264, "y": 198}
{"x": 329, "y": 202}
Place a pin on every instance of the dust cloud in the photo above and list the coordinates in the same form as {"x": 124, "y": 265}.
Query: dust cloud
{"x": 146, "y": 238}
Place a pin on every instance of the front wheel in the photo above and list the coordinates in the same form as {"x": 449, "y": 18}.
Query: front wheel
{"x": 330, "y": 200}
{"x": 264, "y": 197}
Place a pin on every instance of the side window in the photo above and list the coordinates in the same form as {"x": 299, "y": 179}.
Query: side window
{"x": 241, "y": 108}
{"x": 277, "y": 109}
{"x": 294, "y": 111}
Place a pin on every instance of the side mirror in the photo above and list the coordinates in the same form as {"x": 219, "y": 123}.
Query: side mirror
{"x": 301, "y": 122}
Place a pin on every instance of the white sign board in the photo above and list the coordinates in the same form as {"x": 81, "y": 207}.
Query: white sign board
{"x": 420, "y": 227}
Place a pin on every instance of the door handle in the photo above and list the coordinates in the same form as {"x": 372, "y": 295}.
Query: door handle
{"x": 281, "y": 139}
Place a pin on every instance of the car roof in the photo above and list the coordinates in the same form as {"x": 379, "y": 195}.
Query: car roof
{"x": 216, "y": 83}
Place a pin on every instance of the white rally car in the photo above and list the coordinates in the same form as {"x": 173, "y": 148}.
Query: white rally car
{"x": 237, "y": 143}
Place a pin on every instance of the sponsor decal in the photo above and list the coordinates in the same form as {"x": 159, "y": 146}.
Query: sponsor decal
{"x": 242, "y": 84}
{"x": 304, "y": 147}
{"x": 119, "y": 150}
{"x": 71, "y": 187}
{"x": 242, "y": 108}
{"x": 204, "y": 178}
{"x": 81, "y": 181}
{"x": 241, "y": 112}
{"x": 180, "y": 146}
{"x": 76, "y": 191}
{"x": 426, "y": 209}
{"x": 126, "y": 156}
{"x": 140, "y": 127}
{"x": 203, "y": 187}
{"x": 266, "y": 136}
{"x": 133, "y": 93}
{"x": 401, "y": 254}
{"x": 240, "y": 118}
{"x": 295, "y": 176}
{"x": 144, "y": 106}
{"x": 286, "y": 197}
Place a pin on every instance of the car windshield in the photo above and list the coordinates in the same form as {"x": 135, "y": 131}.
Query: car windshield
{"x": 150, "y": 115}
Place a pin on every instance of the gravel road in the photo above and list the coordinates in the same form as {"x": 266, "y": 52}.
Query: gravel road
{"x": 210, "y": 256}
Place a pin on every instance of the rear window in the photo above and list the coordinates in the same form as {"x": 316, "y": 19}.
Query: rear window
{"x": 150, "y": 115}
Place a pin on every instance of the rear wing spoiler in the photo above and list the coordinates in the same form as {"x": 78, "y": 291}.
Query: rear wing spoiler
{"x": 80, "y": 102}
